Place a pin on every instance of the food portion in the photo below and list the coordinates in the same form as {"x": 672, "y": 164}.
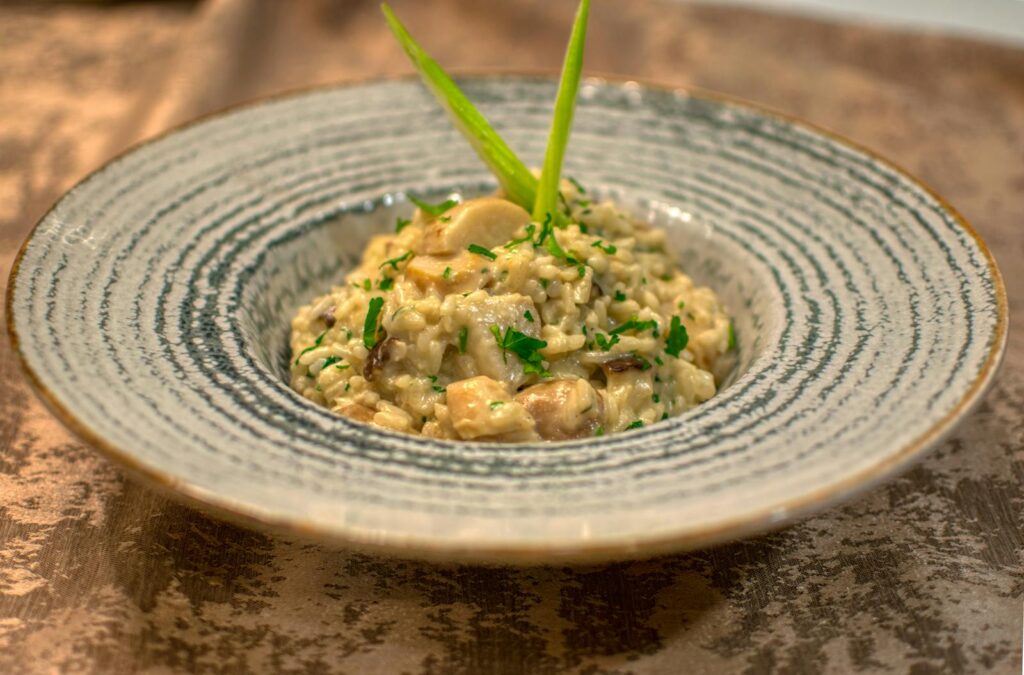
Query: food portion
{"x": 474, "y": 321}
{"x": 535, "y": 314}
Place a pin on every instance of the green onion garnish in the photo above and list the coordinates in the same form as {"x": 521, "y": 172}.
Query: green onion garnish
{"x": 370, "y": 324}
{"x": 677, "y": 338}
{"x": 546, "y": 203}
{"x": 434, "y": 209}
{"x": 515, "y": 178}
{"x": 485, "y": 252}
{"x": 394, "y": 262}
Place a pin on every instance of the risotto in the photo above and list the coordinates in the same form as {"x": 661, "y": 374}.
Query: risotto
{"x": 471, "y": 322}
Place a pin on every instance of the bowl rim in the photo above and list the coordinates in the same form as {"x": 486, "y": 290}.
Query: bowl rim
{"x": 581, "y": 551}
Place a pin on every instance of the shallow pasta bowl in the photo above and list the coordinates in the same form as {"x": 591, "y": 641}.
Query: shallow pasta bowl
{"x": 151, "y": 306}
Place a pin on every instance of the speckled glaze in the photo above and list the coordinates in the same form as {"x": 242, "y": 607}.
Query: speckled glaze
{"x": 151, "y": 309}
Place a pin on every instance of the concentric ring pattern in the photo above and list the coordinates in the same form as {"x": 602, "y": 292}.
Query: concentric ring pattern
{"x": 151, "y": 308}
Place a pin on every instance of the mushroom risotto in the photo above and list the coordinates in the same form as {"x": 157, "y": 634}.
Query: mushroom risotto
{"x": 472, "y": 322}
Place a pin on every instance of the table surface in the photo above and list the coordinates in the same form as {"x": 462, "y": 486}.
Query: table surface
{"x": 98, "y": 574}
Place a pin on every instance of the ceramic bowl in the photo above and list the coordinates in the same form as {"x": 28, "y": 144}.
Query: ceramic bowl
{"x": 151, "y": 310}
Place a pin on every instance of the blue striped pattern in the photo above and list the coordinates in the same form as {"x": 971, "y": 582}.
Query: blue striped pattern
{"x": 153, "y": 302}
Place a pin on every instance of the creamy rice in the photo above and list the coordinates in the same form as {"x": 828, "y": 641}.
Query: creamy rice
{"x": 485, "y": 334}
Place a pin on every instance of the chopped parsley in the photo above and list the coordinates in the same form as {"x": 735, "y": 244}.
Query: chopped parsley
{"x": 316, "y": 343}
{"x": 610, "y": 249}
{"x": 439, "y": 389}
{"x": 528, "y": 316}
{"x": 525, "y": 347}
{"x": 604, "y": 342}
{"x": 620, "y": 296}
{"x": 433, "y": 209}
{"x": 656, "y": 398}
{"x": 367, "y": 284}
{"x": 732, "y": 336}
{"x": 445, "y": 219}
{"x": 677, "y": 338}
{"x": 494, "y": 405}
{"x": 394, "y": 261}
{"x": 370, "y": 324}
{"x": 447, "y": 273}
{"x": 530, "y": 230}
{"x": 657, "y": 359}
{"x": 682, "y": 304}
{"x": 637, "y": 325}
{"x": 330, "y": 361}
{"x": 576, "y": 184}
{"x": 463, "y": 337}
{"x": 599, "y": 431}
{"x": 401, "y": 224}
{"x": 485, "y": 252}
{"x": 386, "y": 284}
{"x": 635, "y": 424}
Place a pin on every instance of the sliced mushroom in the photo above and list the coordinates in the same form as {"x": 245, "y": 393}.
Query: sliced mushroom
{"x": 358, "y": 412}
{"x": 563, "y": 409}
{"x": 377, "y": 357}
{"x": 449, "y": 274}
{"x": 621, "y": 364}
{"x": 487, "y": 222}
{"x": 328, "y": 316}
{"x": 481, "y": 409}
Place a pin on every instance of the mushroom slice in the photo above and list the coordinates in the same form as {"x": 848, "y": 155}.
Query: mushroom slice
{"x": 358, "y": 412}
{"x": 623, "y": 363}
{"x": 563, "y": 409}
{"x": 447, "y": 274}
{"x": 487, "y": 222}
{"x": 377, "y": 357}
{"x": 481, "y": 409}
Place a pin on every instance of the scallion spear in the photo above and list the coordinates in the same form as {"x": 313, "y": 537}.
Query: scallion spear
{"x": 518, "y": 183}
{"x": 565, "y": 106}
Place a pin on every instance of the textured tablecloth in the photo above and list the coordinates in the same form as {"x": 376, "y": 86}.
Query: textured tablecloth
{"x": 98, "y": 574}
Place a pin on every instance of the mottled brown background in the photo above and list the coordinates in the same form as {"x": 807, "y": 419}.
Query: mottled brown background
{"x": 925, "y": 574}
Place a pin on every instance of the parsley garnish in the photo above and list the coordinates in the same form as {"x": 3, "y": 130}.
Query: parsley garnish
{"x": 316, "y": 343}
{"x": 677, "y": 337}
{"x": 386, "y": 284}
{"x": 528, "y": 316}
{"x": 370, "y": 324}
{"x": 463, "y": 337}
{"x": 496, "y": 404}
{"x": 394, "y": 261}
{"x": 401, "y": 224}
{"x": 447, "y": 273}
{"x": 367, "y": 284}
{"x": 433, "y": 209}
{"x": 330, "y": 361}
{"x": 635, "y": 424}
{"x": 732, "y": 336}
{"x": 525, "y": 347}
{"x": 485, "y": 252}
{"x": 576, "y": 184}
{"x": 656, "y": 398}
{"x": 607, "y": 248}
{"x": 599, "y": 431}
{"x": 635, "y": 324}
{"x": 530, "y": 229}
{"x": 604, "y": 343}
{"x": 445, "y": 219}
{"x": 620, "y": 296}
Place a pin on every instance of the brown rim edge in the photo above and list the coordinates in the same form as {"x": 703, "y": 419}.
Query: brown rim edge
{"x": 581, "y": 552}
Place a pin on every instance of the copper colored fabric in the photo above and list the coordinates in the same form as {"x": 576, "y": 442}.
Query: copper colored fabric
{"x": 97, "y": 574}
